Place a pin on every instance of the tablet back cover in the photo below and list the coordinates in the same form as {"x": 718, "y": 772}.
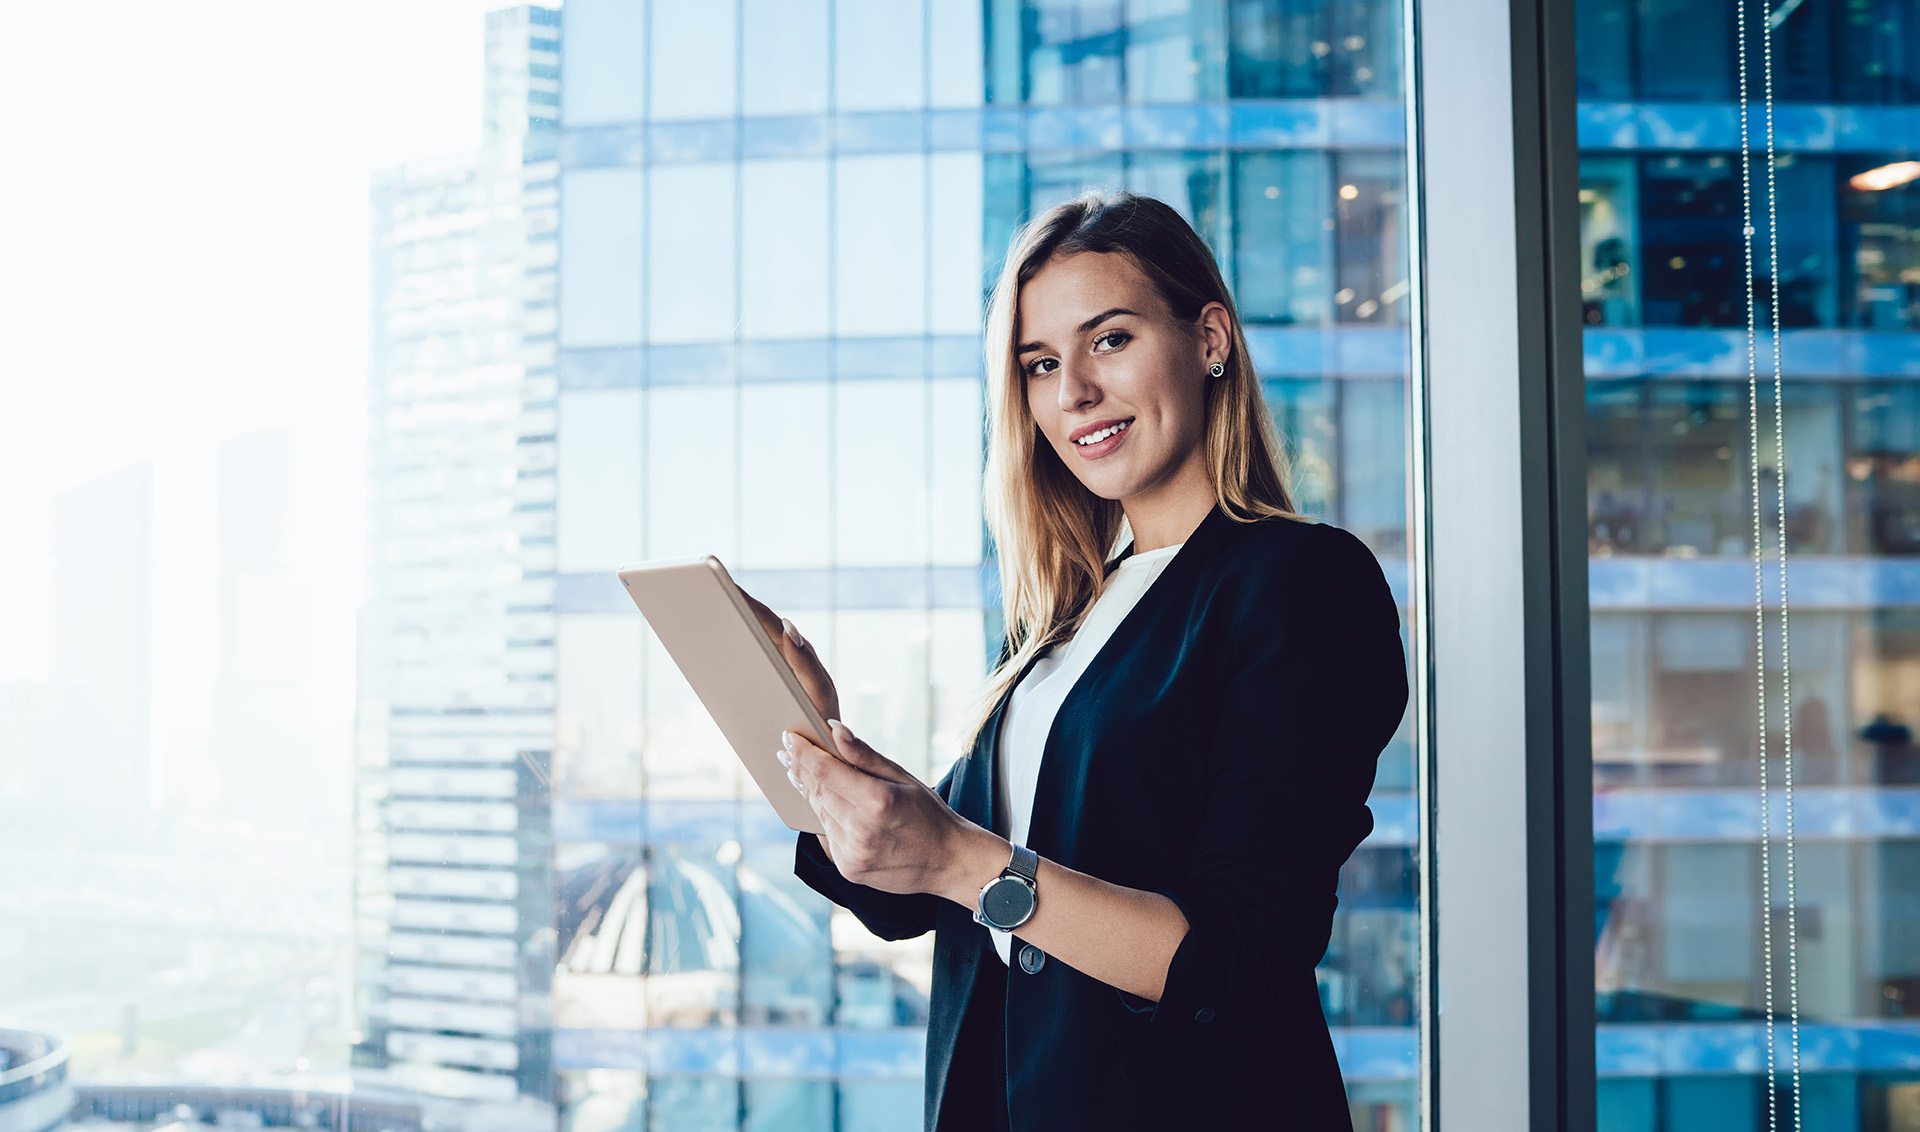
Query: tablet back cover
{"x": 711, "y": 633}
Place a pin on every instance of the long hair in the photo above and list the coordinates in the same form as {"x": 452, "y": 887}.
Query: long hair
{"x": 1054, "y": 536}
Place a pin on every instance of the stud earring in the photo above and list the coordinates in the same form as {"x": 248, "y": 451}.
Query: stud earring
{"x": 1216, "y": 369}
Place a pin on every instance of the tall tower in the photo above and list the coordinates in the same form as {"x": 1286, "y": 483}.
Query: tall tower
{"x": 455, "y": 721}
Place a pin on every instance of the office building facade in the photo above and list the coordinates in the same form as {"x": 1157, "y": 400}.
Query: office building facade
{"x": 453, "y": 899}
{"x": 778, "y": 224}
{"x": 1681, "y": 962}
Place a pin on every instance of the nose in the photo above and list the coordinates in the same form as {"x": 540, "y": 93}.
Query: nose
{"x": 1075, "y": 391}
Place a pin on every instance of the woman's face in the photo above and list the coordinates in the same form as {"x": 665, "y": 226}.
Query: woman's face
{"x": 1096, "y": 345}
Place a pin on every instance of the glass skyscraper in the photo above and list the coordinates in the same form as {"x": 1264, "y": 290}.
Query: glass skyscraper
{"x": 778, "y": 222}
{"x": 756, "y": 334}
{"x": 1680, "y": 965}
{"x": 453, "y": 901}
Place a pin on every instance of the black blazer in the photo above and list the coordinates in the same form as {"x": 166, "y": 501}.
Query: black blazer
{"x": 1219, "y": 749}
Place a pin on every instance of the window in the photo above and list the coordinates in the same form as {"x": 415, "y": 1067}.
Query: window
{"x": 784, "y": 67}
{"x": 690, "y": 259}
{"x": 692, "y": 70}
{"x": 880, "y": 245}
{"x": 881, "y": 50}
{"x": 601, "y": 252}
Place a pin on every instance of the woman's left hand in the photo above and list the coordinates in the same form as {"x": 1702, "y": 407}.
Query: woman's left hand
{"x": 885, "y": 828}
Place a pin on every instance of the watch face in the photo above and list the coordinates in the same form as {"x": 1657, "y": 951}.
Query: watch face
{"x": 1007, "y": 903}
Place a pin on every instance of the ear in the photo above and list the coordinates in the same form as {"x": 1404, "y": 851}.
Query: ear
{"x": 1216, "y": 334}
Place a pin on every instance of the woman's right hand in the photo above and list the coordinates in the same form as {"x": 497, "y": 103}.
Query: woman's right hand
{"x": 804, "y": 662}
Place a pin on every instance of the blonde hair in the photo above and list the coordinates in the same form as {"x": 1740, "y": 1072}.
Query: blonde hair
{"x": 1055, "y": 537}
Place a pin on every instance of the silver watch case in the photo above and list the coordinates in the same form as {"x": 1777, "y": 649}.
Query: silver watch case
{"x": 1009, "y": 900}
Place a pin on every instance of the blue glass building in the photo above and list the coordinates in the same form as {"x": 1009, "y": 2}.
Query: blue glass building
{"x": 778, "y": 220}
{"x": 1680, "y": 966}
{"x": 778, "y": 224}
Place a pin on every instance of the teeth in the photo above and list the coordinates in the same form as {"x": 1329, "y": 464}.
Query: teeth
{"x": 1097, "y": 437}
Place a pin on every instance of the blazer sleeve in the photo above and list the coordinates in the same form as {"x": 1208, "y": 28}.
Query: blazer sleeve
{"x": 1314, "y": 687}
{"x": 889, "y": 915}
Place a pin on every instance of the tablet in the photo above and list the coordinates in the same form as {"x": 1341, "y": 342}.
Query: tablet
{"x": 711, "y": 633}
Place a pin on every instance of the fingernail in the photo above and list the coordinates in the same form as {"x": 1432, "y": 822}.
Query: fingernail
{"x": 795, "y": 779}
{"x": 794, "y": 632}
{"x": 842, "y": 729}
{"x": 786, "y": 760}
{"x": 786, "y": 740}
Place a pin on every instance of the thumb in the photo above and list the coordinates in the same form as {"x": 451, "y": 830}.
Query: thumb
{"x": 857, "y": 753}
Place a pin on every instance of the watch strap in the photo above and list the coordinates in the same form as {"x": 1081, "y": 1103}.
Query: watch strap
{"x": 1025, "y": 864}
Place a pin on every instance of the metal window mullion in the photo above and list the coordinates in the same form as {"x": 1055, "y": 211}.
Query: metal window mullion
{"x": 1503, "y": 521}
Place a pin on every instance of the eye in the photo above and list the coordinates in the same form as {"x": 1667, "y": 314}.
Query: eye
{"x": 1118, "y": 338}
{"x": 1033, "y": 369}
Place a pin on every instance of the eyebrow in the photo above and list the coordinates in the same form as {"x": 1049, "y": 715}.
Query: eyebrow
{"x": 1096, "y": 320}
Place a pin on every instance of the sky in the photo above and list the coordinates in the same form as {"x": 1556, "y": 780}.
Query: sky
{"x": 183, "y": 259}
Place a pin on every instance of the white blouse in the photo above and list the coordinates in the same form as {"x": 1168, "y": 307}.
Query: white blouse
{"x": 1028, "y": 719}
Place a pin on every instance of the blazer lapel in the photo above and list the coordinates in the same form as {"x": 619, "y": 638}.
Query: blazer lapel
{"x": 976, "y": 795}
{"x": 1063, "y": 765}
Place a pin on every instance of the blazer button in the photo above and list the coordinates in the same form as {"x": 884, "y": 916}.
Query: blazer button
{"x": 1204, "y": 1014}
{"x": 1032, "y": 959}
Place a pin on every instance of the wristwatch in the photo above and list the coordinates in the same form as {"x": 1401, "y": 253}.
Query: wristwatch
{"x": 1009, "y": 899}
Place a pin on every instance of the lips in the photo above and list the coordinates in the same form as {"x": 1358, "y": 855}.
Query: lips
{"x": 1096, "y": 426}
{"x": 1099, "y": 448}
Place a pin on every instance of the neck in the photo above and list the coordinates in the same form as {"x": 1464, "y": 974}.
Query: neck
{"x": 1167, "y": 516}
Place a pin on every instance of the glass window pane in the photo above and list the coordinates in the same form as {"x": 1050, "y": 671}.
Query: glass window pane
{"x": 1373, "y": 462}
{"x": 784, "y": 484}
{"x": 597, "y": 665}
{"x": 1278, "y": 49}
{"x": 693, "y": 935}
{"x": 786, "y": 942}
{"x": 1364, "y": 49}
{"x": 1603, "y": 37}
{"x": 881, "y": 46}
{"x": 784, "y": 44}
{"x": 1166, "y": 46}
{"x": 777, "y": 1105}
{"x": 691, "y": 471}
{"x": 1371, "y": 244}
{"x": 1191, "y": 182}
{"x": 957, "y": 420}
{"x": 1686, "y": 49}
{"x": 690, "y": 264}
{"x": 606, "y": 53}
{"x": 693, "y": 60}
{"x": 957, "y": 651}
{"x": 880, "y": 245}
{"x": 693, "y": 1104}
{"x": 880, "y": 472}
{"x": 882, "y": 663}
{"x": 1880, "y": 246}
{"x": 783, "y": 249}
{"x": 600, "y": 256}
{"x": 599, "y": 473}
{"x": 602, "y": 1100}
{"x": 1609, "y": 229}
{"x": 1305, "y": 415}
{"x": 1878, "y": 44}
{"x": 880, "y": 1106}
{"x": 1283, "y": 237}
{"x": 958, "y": 287}
{"x": 957, "y": 63}
{"x": 1690, "y": 233}
{"x": 1074, "y": 52}
{"x": 1883, "y": 445}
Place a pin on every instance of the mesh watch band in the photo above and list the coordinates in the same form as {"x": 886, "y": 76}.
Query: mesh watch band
{"x": 1025, "y": 863}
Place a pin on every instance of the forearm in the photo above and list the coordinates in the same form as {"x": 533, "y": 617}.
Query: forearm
{"x": 1123, "y": 937}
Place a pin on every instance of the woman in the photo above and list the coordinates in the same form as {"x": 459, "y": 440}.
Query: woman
{"x": 1131, "y": 873}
